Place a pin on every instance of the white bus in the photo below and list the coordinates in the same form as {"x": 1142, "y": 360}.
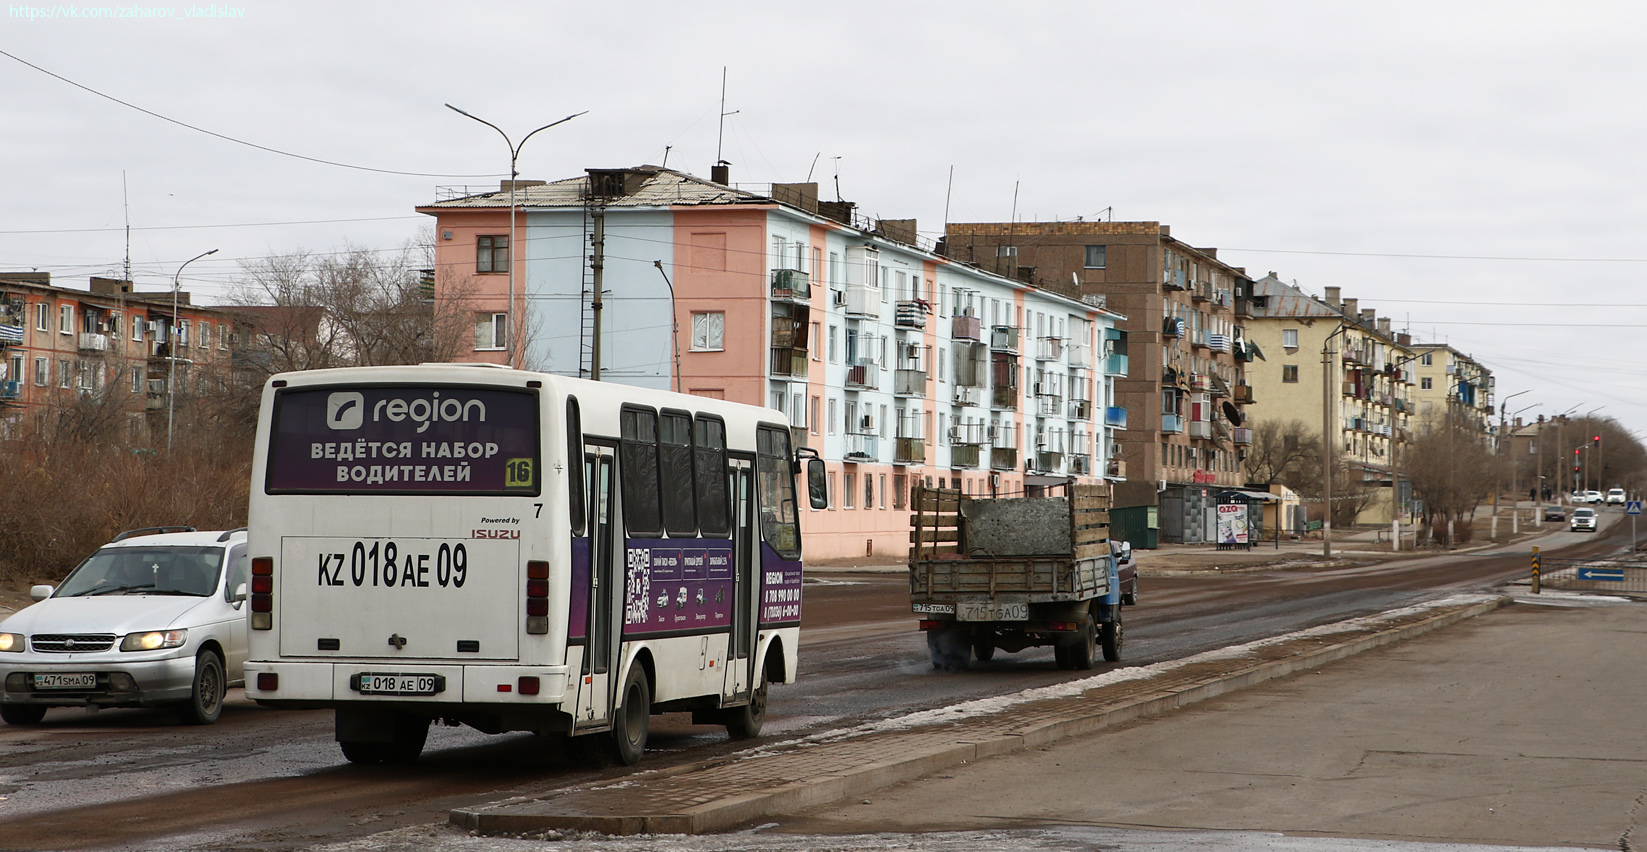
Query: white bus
{"x": 518, "y": 551}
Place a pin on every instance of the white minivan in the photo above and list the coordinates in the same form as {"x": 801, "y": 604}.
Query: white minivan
{"x": 155, "y": 618}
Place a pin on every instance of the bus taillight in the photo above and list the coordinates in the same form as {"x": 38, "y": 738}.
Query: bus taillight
{"x": 262, "y": 593}
{"x": 537, "y": 596}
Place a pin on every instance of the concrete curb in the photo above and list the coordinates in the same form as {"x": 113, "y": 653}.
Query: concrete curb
{"x": 735, "y": 809}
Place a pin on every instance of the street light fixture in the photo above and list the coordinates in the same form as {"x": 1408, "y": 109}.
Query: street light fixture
{"x": 171, "y": 351}
{"x": 514, "y": 177}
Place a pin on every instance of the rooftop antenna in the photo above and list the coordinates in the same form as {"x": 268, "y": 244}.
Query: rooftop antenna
{"x": 666, "y": 155}
{"x": 126, "y": 206}
{"x": 949, "y": 191}
{"x": 721, "y": 136}
{"x": 813, "y": 166}
{"x": 837, "y": 177}
{"x": 1015, "y": 201}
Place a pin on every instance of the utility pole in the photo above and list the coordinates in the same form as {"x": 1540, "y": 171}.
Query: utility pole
{"x": 1327, "y": 439}
{"x": 597, "y": 266}
{"x": 1538, "y": 475}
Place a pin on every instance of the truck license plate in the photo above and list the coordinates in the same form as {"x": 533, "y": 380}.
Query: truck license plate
{"x": 77, "y": 680}
{"x": 991, "y": 611}
{"x": 398, "y": 684}
{"x": 934, "y": 608}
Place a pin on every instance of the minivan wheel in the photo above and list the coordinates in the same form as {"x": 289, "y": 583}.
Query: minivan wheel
{"x": 205, "y": 702}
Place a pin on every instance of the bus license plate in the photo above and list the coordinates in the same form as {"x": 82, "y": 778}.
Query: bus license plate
{"x": 991, "y": 611}
{"x": 398, "y": 684}
{"x": 77, "y": 680}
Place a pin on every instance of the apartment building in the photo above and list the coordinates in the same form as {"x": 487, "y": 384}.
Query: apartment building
{"x": 1454, "y": 387}
{"x": 102, "y": 355}
{"x": 1185, "y": 393}
{"x": 1332, "y": 364}
{"x": 898, "y": 365}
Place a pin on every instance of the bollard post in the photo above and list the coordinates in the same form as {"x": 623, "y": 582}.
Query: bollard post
{"x": 1535, "y": 569}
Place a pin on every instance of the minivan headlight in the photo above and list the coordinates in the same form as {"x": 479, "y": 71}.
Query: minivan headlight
{"x": 154, "y": 640}
{"x": 15, "y": 642}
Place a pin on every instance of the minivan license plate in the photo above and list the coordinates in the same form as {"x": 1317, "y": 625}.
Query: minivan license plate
{"x": 397, "y": 684}
{"x": 77, "y": 680}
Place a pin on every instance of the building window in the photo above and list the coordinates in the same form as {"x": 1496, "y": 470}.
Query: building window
{"x": 137, "y": 327}
{"x": 814, "y": 414}
{"x": 869, "y": 491}
{"x": 1006, "y": 251}
{"x": 40, "y": 309}
{"x": 1095, "y": 257}
{"x": 815, "y": 342}
{"x": 491, "y": 331}
{"x": 42, "y": 371}
{"x": 183, "y": 334}
{"x": 205, "y": 334}
{"x": 708, "y": 331}
{"x": 851, "y": 482}
{"x": 137, "y": 380}
{"x": 1289, "y": 338}
{"x": 832, "y": 420}
{"x": 1289, "y": 373}
{"x": 65, "y": 319}
{"x": 492, "y": 254}
{"x": 1424, "y": 383}
{"x": 832, "y": 490}
{"x": 64, "y": 371}
{"x": 1425, "y": 359}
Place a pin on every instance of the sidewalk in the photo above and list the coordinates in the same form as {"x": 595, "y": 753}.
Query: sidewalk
{"x": 787, "y": 776}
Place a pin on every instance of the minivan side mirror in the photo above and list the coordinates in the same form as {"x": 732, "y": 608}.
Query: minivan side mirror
{"x": 239, "y": 593}
{"x": 40, "y": 592}
{"x": 817, "y": 483}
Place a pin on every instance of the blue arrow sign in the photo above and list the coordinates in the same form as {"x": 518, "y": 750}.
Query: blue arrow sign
{"x": 1633, "y": 507}
{"x": 1613, "y": 575}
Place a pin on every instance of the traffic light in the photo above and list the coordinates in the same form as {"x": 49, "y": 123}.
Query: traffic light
{"x": 1596, "y": 440}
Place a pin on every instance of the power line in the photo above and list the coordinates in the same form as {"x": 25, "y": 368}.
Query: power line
{"x": 222, "y": 225}
{"x": 1443, "y": 256}
{"x": 213, "y": 133}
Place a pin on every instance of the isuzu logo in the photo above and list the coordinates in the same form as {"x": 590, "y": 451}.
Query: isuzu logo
{"x": 345, "y": 410}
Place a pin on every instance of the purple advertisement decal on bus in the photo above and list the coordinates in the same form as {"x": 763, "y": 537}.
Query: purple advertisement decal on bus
{"x": 673, "y": 585}
{"x": 780, "y": 588}
{"x": 404, "y": 440}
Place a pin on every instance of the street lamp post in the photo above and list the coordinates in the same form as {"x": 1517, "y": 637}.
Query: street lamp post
{"x": 1498, "y": 485}
{"x": 514, "y": 177}
{"x": 171, "y": 351}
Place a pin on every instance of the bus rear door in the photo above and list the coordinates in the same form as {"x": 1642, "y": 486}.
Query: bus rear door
{"x": 600, "y": 659}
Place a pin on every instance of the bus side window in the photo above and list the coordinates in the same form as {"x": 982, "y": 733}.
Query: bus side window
{"x": 639, "y": 474}
{"x": 709, "y": 461}
{"x": 577, "y": 497}
{"x": 675, "y": 474}
{"x": 775, "y": 484}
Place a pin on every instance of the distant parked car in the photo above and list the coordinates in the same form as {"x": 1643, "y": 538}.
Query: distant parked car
{"x": 1583, "y": 519}
{"x": 1615, "y": 497}
{"x": 1579, "y": 497}
{"x": 1595, "y": 497}
{"x": 1554, "y": 513}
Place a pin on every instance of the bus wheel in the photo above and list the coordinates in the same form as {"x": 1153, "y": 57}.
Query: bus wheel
{"x": 629, "y": 723}
{"x": 745, "y": 722}
{"x": 409, "y": 735}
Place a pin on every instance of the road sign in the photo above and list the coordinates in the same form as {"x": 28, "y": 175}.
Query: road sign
{"x": 1633, "y": 507}
{"x": 1612, "y": 575}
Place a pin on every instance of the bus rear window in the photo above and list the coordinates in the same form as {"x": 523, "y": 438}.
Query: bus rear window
{"x": 404, "y": 440}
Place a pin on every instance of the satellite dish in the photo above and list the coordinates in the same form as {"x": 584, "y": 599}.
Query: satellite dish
{"x": 1233, "y": 413}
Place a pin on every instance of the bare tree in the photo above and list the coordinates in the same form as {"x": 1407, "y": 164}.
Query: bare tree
{"x": 1278, "y": 448}
{"x": 1451, "y": 470}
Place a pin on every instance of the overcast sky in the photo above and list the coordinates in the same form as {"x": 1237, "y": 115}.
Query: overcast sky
{"x": 1470, "y": 170}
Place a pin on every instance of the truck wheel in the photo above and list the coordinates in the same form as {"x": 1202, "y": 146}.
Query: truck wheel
{"x": 950, "y": 649}
{"x": 634, "y": 714}
{"x": 1081, "y": 654}
{"x": 205, "y": 702}
{"x": 983, "y": 645}
{"x": 22, "y": 714}
{"x": 1112, "y": 638}
{"x": 1060, "y": 654}
{"x": 745, "y": 722}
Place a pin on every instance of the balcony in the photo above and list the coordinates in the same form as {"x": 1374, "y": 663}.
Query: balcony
{"x": 1174, "y": 281}
{"x": 909, "y": 382}
{"x": 1116, "y": 468}
{"x": 1003, "y": 338}
{"x": 1049, "y": 462}
{"x": 1115, "y": 365}
{"x": 909, "y": 451}
{"x": 1080, "y": 465}
{"x": 910, "y": 314}
{"x": 160, "y": 351}
{"x": 1003, "y": 398}
{"x": 1222, "y": 298}
{"x": 11, "y": 389}
{"x": 1200, "y": 383}
{"x": 92, "y": 342}
{"x": 864, "y": 376}
{"x": 1080, "y": 409}
{"x": 968, "y": 395}
{"x": 789, "y": 364}
{"x": 970, "y": 434}
{"x": 1242, "y": 435}
{"x": 966, "y": 328}
{"x": 1201, "y": 291}
{"x": 1003, "y": 458}
{"x": 1198, "y": 339}
{"x": 1242, "y": 393}
{"x": 1200, "y": 429}
{"x": 791, "y": 285}
{"x": 1172, "y": 327}
{"x": 1172, "y": 424}
{"x": 1080, "y": 354}
{"x": 1049, "y": 406}
{"x": 1115, "y": 417}
{"x": 862, "y": 448}
{"x": 1049, "y": 349}
{"x": 1218, "y": 342}
{"x": 863, "y": 302}
{"x": 964, "y": 455}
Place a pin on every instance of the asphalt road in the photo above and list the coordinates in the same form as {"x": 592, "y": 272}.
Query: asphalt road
{"x": 274, "y": 780}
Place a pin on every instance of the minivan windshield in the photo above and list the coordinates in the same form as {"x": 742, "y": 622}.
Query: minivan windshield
{"x": 189, "y": 571}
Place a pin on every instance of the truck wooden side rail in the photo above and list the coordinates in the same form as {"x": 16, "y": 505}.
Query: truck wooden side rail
{"x": 1012, "y": 573}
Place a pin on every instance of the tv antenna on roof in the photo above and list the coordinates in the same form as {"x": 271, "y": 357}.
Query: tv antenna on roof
{"x": 721, "y": 136}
